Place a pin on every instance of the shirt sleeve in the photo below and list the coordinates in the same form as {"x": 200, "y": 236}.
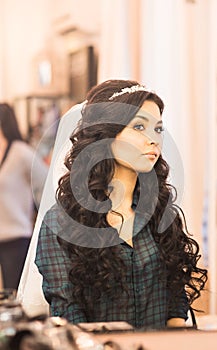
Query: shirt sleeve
{"x": 178, "y": 307}
{"x": 54, "y": 265}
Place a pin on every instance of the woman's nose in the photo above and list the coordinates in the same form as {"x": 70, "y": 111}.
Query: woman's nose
{"x": 152, "y": 141}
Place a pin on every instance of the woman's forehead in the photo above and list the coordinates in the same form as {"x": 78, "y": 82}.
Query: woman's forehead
{"x": 152, "y": 108}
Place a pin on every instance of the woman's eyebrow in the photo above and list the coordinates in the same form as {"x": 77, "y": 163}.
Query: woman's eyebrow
{"x": 147, "y": 119}
{"x": 142, "y": 117}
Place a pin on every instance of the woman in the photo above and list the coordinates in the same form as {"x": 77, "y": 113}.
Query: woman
{"x": 21, "y": 185}
{"x": 113, "y": 248}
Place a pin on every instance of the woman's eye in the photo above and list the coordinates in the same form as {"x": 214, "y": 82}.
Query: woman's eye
{"x": 139, "y": 127}
{"x": 159, "y": 129}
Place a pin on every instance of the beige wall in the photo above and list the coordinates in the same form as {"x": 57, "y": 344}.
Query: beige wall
{"x": 29, "y": 28}
{"x": 25, "y": 27}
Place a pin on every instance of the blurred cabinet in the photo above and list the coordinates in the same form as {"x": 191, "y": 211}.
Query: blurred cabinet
{"x": 82, "y": 72}
{"x": 38, "y": 117}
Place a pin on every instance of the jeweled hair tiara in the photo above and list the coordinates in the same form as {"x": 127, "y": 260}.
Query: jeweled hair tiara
{"x": 130, "y": 90}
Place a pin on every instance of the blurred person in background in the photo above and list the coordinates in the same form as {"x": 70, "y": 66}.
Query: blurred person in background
{"x": 22, "y": 178}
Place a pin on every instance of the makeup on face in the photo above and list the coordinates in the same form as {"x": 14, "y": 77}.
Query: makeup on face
{"x": 138, "y": 145}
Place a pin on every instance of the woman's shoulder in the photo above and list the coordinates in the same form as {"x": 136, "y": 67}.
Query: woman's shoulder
{"x": 51, "y": 231}
{"x": 52, "y": 212}
{"x": 51, "y": 219}
{"x": 22, "y": 148}
{"x": 19, "y": 144}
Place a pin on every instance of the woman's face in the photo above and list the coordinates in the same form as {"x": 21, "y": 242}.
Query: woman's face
{"x": 138, "y": 146}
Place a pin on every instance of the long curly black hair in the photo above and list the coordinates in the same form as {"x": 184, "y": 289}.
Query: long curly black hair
{"x": 87, "y": 203}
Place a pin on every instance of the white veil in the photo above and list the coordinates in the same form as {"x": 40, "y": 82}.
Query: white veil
{"x": 30, "y": 293}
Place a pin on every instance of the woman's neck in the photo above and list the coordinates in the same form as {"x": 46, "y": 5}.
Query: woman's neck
{"x": 123, "y": 183}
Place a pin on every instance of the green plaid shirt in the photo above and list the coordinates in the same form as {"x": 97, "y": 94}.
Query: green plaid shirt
{"x": 146, "y": 303}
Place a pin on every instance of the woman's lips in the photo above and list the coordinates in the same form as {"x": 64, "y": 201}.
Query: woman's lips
{"x": 151, "y": 155}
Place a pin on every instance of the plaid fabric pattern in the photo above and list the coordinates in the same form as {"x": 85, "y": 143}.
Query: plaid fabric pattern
{"x": 146, "y": 303}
